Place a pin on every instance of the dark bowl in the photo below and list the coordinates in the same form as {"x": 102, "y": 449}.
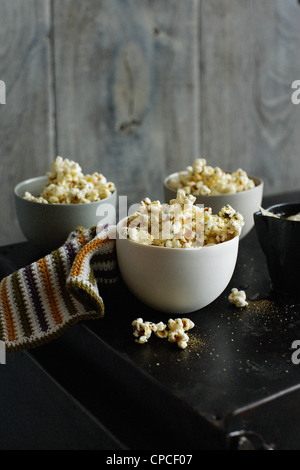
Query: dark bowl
{"x": 280, "y": 241}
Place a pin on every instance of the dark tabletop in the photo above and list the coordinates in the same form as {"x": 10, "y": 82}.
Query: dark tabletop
{"x": 234, "y": 385}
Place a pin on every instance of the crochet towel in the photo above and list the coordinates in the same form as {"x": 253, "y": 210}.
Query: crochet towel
{"x": 39, "y": 301}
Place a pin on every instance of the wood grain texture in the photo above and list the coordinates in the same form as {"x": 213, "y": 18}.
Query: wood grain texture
{"x": 127, "y": 89}
{"x": 25, "y": 120}
{"x": 137, "y": 89}
{"x": 250, "y": 55}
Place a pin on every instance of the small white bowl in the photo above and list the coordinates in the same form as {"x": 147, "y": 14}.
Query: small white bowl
{"x": 47, "y": 226}
{"x": 175, "y": 280}
{"x": 244, "y": 202}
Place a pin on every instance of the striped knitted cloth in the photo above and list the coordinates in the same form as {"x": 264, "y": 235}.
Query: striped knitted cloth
{"x": 38, "y": 302}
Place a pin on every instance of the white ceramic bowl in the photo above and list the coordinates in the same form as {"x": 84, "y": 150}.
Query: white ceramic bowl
{"x": 47, "y": 226}
{"x": 176, "y": 280}
{"x": 245, "y": 202}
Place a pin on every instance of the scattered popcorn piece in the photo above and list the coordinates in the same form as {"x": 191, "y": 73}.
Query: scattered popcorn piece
{"x": 181, "y": 224}
{"x": 141, "y": 330}
{"x": 160, "y": 330}
{"x": 68, "y": 185}
{"x": 202, "y": 179}
{"x": 187, "y": 324}
{"x": 178, "y": 336}
{"x": 180, "y": 323}
{"x": 238, "y": 298}
{"x": 176, "y": 333}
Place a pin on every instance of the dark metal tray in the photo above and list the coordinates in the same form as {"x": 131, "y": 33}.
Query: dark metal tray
{"x": 235, "y": 386}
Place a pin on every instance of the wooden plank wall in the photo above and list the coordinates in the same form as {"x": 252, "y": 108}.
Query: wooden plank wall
{"x": 137, "y": 89}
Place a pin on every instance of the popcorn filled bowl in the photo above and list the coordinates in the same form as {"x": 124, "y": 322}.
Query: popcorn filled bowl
{"x": 50, "y": 207}
{"x": 215, "y": 188}
{"x": 180, "y": 273}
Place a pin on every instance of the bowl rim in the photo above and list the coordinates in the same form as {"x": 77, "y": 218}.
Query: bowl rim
{"x": 279, "y": 205}
{"x": 173, "y": 249}
{"x": 258, "y": 182}
{"x": 56, "y": 204}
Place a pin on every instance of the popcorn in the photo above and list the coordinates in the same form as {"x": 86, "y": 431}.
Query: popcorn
{"x": 176, "y": 333}
{"x": 160, "y": 330}
{"x": 204, "y": 180}
{"x": 226, "y": 226}
{"x": 68, "y": 185}
{"x": 181, "y": 224}
{"x": 141, "y": 330}
{"x": 187, "y": 324}
{"x": 238, "y": 298}
{"x": 29, "y": 197}
{"x": 179, "y": 337}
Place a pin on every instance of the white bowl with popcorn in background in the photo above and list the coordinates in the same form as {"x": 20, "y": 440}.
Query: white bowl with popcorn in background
{"x": 50, "y": 207}
{"x": 215, "y": 188}
{"x": 182, "y": 273}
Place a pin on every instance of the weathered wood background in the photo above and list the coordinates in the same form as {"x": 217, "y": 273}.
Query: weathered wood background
{"x": 137, "y": 89}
